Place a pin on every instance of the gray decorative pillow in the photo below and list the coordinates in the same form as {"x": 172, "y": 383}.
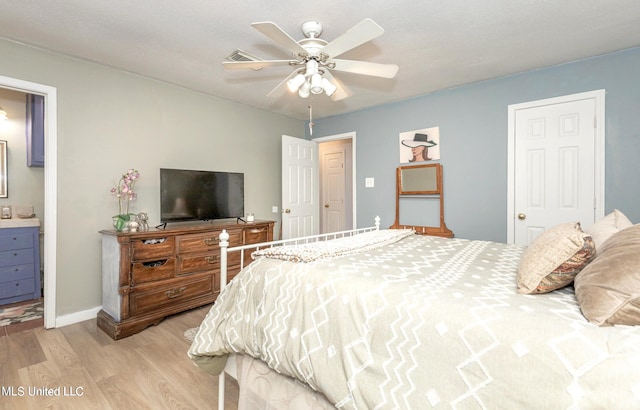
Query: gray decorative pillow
{"x": 608, "y": 290}
{"x": 554, "y": 259}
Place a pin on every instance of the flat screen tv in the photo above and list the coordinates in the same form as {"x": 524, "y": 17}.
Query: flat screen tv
{"x": 189, "y": 195}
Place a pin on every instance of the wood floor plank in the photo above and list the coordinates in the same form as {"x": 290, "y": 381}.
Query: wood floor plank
{"x": 149, "y": 370}
{"x": 56, "y": 348}
{"x": 170, "y": 361}
{"x": 24, "y": 349}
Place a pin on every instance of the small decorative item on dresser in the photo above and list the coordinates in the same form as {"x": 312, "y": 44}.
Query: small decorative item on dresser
{"x": 125, "y": 194}
{"x": 142, "y": 220}
{"x": 133, "y": 223}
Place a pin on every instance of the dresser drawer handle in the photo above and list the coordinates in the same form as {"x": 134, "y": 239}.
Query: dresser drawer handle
{"x": 210, "y": 241}
{"x": 154, "y": 264}
{"x": 153, "y": 241}
{"x": 174, "y": 293}
{"x": 256, "y": 230}
{"x": 212, "y": 258}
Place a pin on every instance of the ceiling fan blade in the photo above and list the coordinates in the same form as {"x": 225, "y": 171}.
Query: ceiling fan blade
{"x": 359, "y": 34}
{"x": 256, "y": 65}
{"x": 281, "y": 88}
{"x": 341, "y": 92}
{"x": 278, "y": 35}
{"x": 366, "y": 68}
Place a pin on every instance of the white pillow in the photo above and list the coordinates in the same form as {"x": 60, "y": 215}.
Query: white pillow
{"x": 607, "y": 226}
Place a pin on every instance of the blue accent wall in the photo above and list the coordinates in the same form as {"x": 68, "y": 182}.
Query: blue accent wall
{"x": 473, "y": 141}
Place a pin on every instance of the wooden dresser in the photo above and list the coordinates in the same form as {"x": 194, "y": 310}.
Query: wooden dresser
{"x": 149, "y": 275}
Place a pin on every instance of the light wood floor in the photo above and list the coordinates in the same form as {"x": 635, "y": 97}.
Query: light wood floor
{"x": 149, "y": 370}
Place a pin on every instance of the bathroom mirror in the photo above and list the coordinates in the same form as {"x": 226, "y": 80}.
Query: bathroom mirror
{"x": 4, "y": 193}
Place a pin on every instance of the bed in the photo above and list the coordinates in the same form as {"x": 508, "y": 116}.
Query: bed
{"x": 391, "y": 319}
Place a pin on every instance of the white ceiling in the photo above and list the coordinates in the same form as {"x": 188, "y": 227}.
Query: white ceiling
{"x": 437, "y": 43}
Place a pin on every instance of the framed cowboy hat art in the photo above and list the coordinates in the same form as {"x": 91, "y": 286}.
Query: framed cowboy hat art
{"x": 420, "y": 145}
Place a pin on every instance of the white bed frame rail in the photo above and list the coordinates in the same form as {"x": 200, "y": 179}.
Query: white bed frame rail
{"x": 225, "y": 249}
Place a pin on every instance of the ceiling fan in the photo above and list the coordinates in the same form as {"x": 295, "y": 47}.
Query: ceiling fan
{"x": 315, "y": 58}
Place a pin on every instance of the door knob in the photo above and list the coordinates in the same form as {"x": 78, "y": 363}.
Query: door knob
{"x": 326, "y": 205}
{"x": 522, "y": 216}
{"x": 286, "y": 211}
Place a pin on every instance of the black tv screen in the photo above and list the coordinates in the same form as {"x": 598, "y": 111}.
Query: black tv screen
{"x": 189, "y": 195}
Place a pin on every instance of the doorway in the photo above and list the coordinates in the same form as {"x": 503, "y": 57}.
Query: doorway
{"x": 21, "y": 304}
{"x": 50, "y": 188}
{"x": 337, "y": 185}
{"x": 335, "y": 193}
{"x": 555, "y": 164}
{"x": 300, "y": 188}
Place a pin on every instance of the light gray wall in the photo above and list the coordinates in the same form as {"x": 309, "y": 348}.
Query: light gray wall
{"x": 109, "y": 121}
{"x": 473, "y": 141}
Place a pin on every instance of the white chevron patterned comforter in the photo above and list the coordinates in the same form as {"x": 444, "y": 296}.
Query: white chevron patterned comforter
{"x": 423, "y": 323}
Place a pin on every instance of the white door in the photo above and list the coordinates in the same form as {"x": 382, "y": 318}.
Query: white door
{"x": 332, "y": 179}
{"x": 299, "y": 187}
{"x": 555, "y": 164}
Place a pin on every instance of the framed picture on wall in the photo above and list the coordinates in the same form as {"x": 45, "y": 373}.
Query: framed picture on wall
{"x": 4, "y": 193}
{"x": 419, "y": 145}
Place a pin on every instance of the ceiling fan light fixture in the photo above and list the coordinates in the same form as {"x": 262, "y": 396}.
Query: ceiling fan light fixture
{"x": 303, "y": 91}
{"x": 295, "y": 83}
{"x": 312, "y": 58}
{"x": 3, "y": 114}
{"x": 316, "y": 84}
{"x": 311, "y": 68}
{"x": 329, "y": 87}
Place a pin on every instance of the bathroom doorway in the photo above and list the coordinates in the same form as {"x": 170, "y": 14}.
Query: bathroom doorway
{"x": 49, "y": 212}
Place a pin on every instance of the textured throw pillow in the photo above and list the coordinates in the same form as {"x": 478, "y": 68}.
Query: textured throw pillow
{"x": 554, "y": 259}
{"x": 607, "y": 226}
{"x": 608, "y": 290}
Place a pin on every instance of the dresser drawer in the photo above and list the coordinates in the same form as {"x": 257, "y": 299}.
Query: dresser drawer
{"x": 153, "y": 270}
{"x": 146, "y": 299}
{"x": 16, "y": 257}
{"x": 16, "y": 272}
{"x": 17, "y": 288}
{"x": 16, "y": 241}
{"x": 153, "y": 248}
{"x": 256, "y": 235}
{"x": 191, "y": 263}
{"x": 206, "y": 242}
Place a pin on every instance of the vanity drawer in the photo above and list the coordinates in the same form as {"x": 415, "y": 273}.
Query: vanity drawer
{"x": 16, "y": 272}
{"x": 153, "y": 248}
{"x": 146, "y": 299}
{"x": 153, "y": 270}
{"x": 16, "y": 257}
{"x": 206, "y": 242}
{"x": 16, "y": 241}
{"x": 17, "y": 288}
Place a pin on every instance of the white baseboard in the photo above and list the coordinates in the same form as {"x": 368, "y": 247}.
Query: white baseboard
{"x": 76, "y": 317}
